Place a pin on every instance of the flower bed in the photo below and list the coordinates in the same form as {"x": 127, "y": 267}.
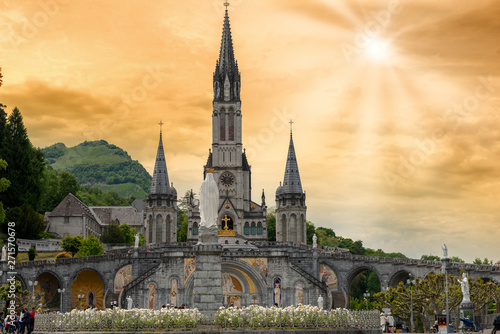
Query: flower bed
{"x": 118, "y": 319}
{"x": 302, "y": 316}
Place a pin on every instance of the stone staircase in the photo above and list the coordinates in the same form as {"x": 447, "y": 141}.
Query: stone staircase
{"x": 310, "y": 278}
{"x": 140, "y": 279}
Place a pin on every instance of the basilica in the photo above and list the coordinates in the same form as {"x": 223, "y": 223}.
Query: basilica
{"x": 239, "y": 216}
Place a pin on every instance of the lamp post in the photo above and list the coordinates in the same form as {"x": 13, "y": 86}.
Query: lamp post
{"x": 33, "y": 284}
{"x": 61, "y": 298}
{"x": 411, "y": 282}
{"x": 366, "y": 295}
{"x": 80, "y": 297}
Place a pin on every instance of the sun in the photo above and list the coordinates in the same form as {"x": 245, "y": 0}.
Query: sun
{"x": 378, "y": 50}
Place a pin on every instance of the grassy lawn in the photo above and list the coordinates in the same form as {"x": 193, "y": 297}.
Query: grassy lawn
{"x": 22, "y": 257}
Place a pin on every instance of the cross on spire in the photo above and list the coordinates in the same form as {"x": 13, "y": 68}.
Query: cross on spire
{"x": 291, "y": 124}
{"x": 161, "y": 123}
{"x": 226, "y": 4}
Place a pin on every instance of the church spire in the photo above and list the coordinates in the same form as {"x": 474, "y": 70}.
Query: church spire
{"x": 291, "y": 181}
{"x": 226, "y": 76}
{"x": 160, "y": 184}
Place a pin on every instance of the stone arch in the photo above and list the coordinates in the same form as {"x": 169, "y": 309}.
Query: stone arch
{"x": 173, "y": 290}
{"x": 259, "y": 228}
{"x": 354, "y": 272}
{"x": 231, "y": 224}
{"x": 195, "y": 228}
{"x": 48, "y": 283}
{"x": 158, "y": 232}
{"x": 121, "y": 278}
{"x": 299, "y": 293}
{"x": 293, "y": 228}
{"x": 84, "y": 281}
{"x": 151, "y": 297}
{"x": 246, "y": 229}
{"x": 398, "y": 276}
{"x": 277, "y": 291}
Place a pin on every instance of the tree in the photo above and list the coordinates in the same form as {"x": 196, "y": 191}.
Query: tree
{"x": 271, "y": 225}
{"x": 29, "y": 223}
{"x": 4, "y": 184}
{"x": 113, "y": 234}
{"x": 430, "y": 258}
{"x": 32, "y": 253}
{"x": 456, "y": 259}
{"x": 26, "y": 164}
{"x": 90, "y": 247}
{"x": 142, "y": 240}
{"x": 128, "y": 234}
{"x": 72, "y": 244}
{"x": 67, "y": 184}
{"x": 309, "y": 232}
{"x": 5, "y": 295}
{"x": 182, "y": 225}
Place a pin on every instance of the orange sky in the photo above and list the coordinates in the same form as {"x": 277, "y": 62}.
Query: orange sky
{"x": 395, "y": 103}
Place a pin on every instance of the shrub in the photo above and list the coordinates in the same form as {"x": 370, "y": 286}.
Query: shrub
{"x": 63, "y": 255}
{"x": 32, "y": 253}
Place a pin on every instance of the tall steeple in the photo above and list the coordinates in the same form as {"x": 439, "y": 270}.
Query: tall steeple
{"x": 291, "y": 181}
{"x": 160, "y": 184}
{"x": 227, "y": 83}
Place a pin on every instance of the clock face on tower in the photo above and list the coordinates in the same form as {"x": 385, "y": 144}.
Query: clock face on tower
{"x": 226, "y": 179}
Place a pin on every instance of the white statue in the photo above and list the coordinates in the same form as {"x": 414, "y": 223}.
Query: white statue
{"x": 464, "y": 282}
{"x": 209, "y": 202}
{"x": 4, "y": 253}
{"x": 136, "y": 241}
{"x": 320, "y": 302}
{"x": 315, "y": 241}
{"x": 445, "y": 251}
{"x": 129, "y": 303}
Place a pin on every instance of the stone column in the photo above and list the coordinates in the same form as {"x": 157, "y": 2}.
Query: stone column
{"x": 207, "y": 285}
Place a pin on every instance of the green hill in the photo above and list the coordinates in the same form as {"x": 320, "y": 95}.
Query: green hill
{"x": 97, "y": 163}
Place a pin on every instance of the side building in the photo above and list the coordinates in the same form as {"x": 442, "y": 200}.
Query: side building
{"x": 73, "y": 217}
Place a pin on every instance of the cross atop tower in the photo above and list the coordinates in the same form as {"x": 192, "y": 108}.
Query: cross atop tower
{"x": 226, "y": 4}
{"x": 291, "y": 124}
{"x": 161, "y": 123}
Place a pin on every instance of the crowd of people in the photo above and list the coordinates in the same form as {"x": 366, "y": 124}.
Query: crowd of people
{"x": 18, "y": 323}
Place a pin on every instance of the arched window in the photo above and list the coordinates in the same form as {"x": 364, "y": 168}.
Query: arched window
{"x": 150, "y": 227}
{"x": 253, "y": 228}
{"x": 284, "y": 228}
{"x": 167, "y": 229}
{"x": 195, "y": 228}
{"x": 259, "y": 228}
{"x": 293, "y": 228}
{"x": 158, "y": 228}
{"x": 246, "y": 229}
{"x": 222, "y": 119}
{"x": 231, "y": 125}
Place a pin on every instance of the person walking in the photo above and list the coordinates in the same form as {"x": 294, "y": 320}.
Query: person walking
{"x": 24, "y": 321}
{"x": 390, "y": 320}
{"x": 32, "y": 318}
{"x": 383, "y": 319}
{"x": 496, "y": 324}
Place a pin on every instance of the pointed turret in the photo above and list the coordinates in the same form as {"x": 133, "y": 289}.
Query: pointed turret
{"x": 291, "y": 202}
{"x": 291, "y": 181}
{"x": 227, "y": 82}
{"x": 161, "y": 211}
{"x": 160, "y": 184}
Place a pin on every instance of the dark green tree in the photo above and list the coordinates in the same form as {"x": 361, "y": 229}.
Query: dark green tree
{"x": 29, "y": 223}
{"x": 271, "y": 225}
{"x": 5, "y": 295}
{"x": 309, "y": 232}
{"x": 26, "y": 165}
{"x": 67, "y": 184}
{"x": 72, "y": 244}
{"x": 430, "y": 258}
{"x": 32, "y": 254}
{"x": 113, "y": 234}
{"x": 4, "y": 184}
